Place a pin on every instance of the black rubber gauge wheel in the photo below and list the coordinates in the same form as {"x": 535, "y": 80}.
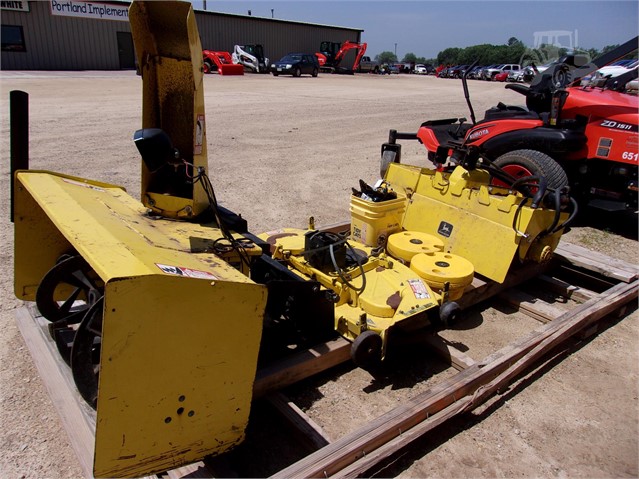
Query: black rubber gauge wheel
{"x": 449, "y": 313}
{"x": 366, "y": 351}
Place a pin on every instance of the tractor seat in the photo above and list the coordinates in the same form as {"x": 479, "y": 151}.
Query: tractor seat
{"x": 502, "y": 111}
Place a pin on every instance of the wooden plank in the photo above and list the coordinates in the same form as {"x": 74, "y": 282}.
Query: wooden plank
{"x": 301, "y": 366}
{"x": 481, "y": 289}
{"x": 56, "y": 377}
{"x": 309, "y": 431}
{"x": 609, "y": 267}
{"x": 195, "y": 470}
{"x": 346, "y": 450}
{"x": 565, "y": 289}
{"x": 530, "y": 305}
{"x": 502, "y": 381}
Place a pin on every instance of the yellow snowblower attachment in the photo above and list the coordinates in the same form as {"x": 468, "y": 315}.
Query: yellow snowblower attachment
{"x": 159, "y": 323}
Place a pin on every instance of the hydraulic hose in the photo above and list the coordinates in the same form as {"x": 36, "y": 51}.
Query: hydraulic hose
{"x": 541, "y": 185}
{"x": 570, "y": 219}
{"x": 359, "y": 290}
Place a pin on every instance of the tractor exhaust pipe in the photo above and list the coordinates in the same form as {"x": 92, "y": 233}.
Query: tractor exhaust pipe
{"x": 19, "y": 133}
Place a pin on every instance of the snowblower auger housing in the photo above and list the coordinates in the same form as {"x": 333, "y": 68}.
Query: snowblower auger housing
{"x": 161, "y": 329}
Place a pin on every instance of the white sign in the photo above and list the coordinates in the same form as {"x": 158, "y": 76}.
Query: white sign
{"x": 19, "y": 5}
{"x": 99, "y": 11}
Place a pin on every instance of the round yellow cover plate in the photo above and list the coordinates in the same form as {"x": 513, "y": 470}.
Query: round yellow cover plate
{"x": 406, "y": 244}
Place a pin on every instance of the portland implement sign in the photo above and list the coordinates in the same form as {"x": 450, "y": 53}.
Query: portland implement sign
{"x": 96, "y": 10}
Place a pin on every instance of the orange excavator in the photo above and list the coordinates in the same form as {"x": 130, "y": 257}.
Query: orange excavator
{"x": 331, "y": 55}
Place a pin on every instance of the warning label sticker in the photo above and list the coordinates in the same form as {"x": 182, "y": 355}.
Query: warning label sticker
{"x": 199, "y": 135}
{"x": 188, "y": 272}
{"x": 419, "y": 290}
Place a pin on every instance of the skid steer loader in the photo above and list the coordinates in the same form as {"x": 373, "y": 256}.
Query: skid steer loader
{"x": 164, "y": 307}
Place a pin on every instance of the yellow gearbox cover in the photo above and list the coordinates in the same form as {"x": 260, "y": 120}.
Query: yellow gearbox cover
{"x": 406, "y": 244}
{"x": 439, "y": 267}
{"x": 285, "y": 239}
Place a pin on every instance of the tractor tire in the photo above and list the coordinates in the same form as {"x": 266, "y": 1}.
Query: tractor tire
{"x": 520, "y": 163}
{"x": 275, "y": 74}
{"x": 315, "y": 72}
{"x": 208, "y": 66}
{"x": 366, "y": 350}
{"x": 297, "y": 73}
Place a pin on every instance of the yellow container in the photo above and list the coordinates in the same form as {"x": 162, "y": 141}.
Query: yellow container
{"x": 372, "y": 223}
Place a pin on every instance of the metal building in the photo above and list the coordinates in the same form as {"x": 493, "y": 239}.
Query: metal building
{"x": 87, "y": 35}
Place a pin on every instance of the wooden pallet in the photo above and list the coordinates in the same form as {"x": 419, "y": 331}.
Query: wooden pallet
{"x": 361, "y": 450}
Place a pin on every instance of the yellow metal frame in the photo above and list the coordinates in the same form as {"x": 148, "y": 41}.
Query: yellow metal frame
{"x": 393, "y": 294}
{"x": 481, "y": 223}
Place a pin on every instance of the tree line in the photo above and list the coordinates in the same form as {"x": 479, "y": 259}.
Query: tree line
{"x": 512, "y": 51}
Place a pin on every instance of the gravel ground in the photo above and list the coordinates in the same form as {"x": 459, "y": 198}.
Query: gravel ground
{"x": 280, "y": 150}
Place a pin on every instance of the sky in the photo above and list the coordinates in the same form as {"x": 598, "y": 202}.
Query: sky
{"x": 426, "y": 27}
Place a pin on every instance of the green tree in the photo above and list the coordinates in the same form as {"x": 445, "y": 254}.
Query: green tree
{"x": 386, "y": 57}
{"x": 409, "y": 58}
{"x": 448, "y": 56}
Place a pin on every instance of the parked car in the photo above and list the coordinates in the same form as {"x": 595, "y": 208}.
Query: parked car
{"x": 420, "y": 69}
{"x": 430, "y": 68}
{"x": 529, "y": 71}
{"x": 296, "y": 64}
{"x": 489, "y": 73}
{"x": 475, "y": 72}
{"x": 457, "y": 71}
{"x": 501, "y": 76}
{"x": 483, "y": 75}
{"x": 611, "y": 71}
{"x": 516, "y": 76}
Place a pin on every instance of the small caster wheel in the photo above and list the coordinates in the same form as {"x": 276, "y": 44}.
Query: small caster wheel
{"x": 366, "y": 351}
{"x": 449, "y": 312}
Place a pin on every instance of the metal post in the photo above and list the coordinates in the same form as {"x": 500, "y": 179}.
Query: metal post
{"x": 19, "y": 134}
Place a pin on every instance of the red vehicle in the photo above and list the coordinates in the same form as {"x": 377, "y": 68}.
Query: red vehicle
{"x": 332, "y": 53}
{"x": 220, "y": 62}
{"x": 501, "y": 76}
{"x": 582, "y": 136}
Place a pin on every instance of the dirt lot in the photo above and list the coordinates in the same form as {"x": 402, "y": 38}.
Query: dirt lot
{"x": 280, "y": 150}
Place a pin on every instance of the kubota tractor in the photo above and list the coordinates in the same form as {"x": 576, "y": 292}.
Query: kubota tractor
{"x": 582, "y": 136}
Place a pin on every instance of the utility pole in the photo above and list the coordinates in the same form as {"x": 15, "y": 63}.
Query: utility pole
{"x": 396, "y": 50}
